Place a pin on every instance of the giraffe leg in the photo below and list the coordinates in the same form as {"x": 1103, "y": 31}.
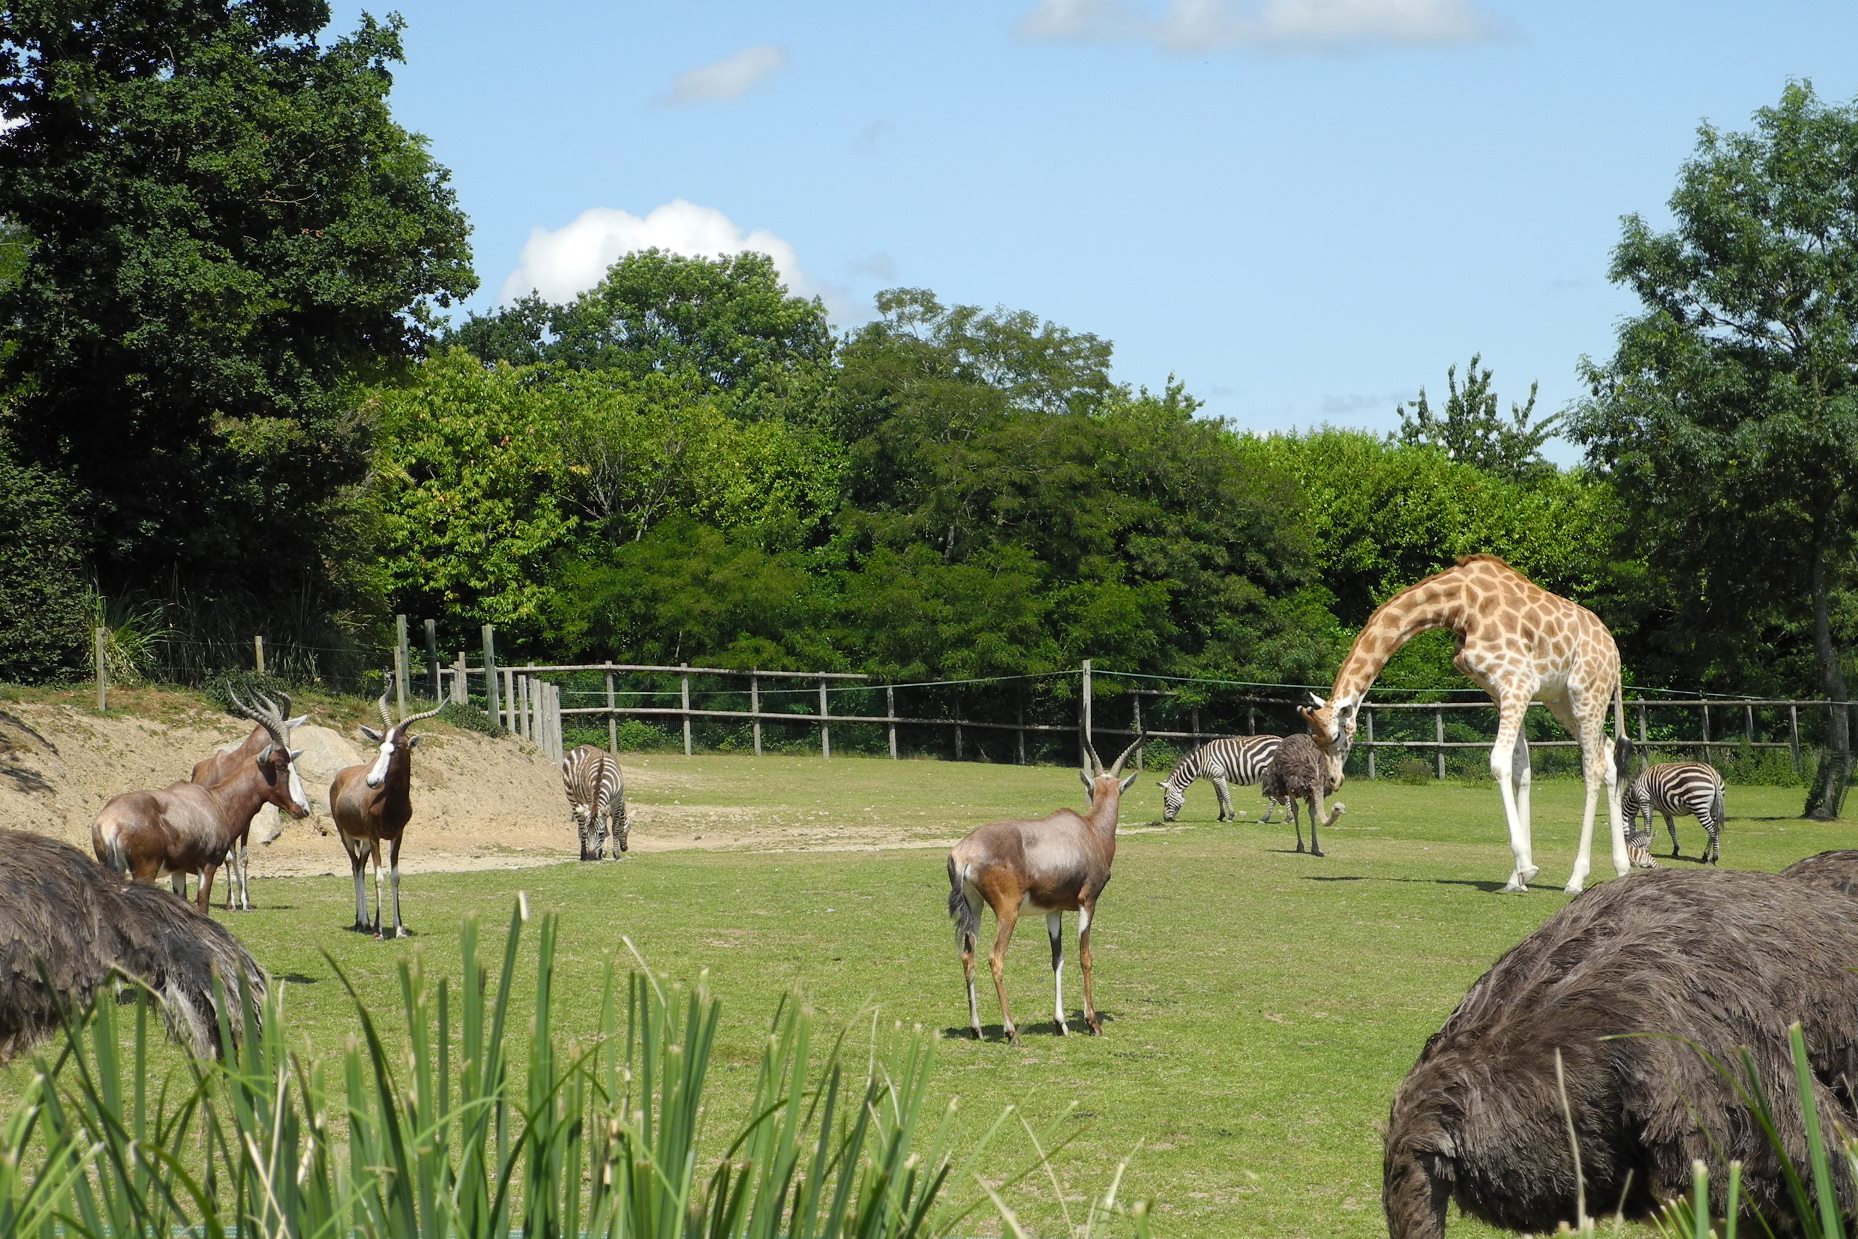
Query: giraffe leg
{"x": 1054, "y": 929}
{"x": 1005, "y": 918}
{"x": 1502, "y": 762}
{"x": 1597, "y": 765}
{"x": 1086, "y": 916}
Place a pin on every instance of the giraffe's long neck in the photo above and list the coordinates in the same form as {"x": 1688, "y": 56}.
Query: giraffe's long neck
{"x": 1434, "y": 603}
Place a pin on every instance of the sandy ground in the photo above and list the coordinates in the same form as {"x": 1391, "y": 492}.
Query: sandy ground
{"x": 58, "y": 766}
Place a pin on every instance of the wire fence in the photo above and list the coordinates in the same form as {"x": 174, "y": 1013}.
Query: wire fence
{"x": 1035, "y": 718}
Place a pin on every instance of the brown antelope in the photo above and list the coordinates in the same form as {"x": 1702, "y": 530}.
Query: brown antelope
{"x": 371, "y": 803}
{"x": 1057, "y": 864}
{"x": 211, "y": 770}
{"x": 187, "y": 827}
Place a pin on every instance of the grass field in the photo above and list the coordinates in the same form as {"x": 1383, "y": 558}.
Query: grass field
{"x": 1260, "y": 1006}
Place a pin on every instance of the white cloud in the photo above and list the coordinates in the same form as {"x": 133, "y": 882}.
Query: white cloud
{"x": 729, "y": 78}
{"x": 1278, "y": 25}
{"x": 572, "y": 259}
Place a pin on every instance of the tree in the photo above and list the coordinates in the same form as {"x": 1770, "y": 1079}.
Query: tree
{"x": 1470, "y": 430}
{"x": 228, "y": 226}
{"x": 1729, "y": 410}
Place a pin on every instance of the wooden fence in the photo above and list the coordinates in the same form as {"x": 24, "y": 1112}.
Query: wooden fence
{"x": 525, "y": 702}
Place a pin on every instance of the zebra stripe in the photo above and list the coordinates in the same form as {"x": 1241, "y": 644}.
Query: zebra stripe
{"x": 597, "y": 799}
{"x": 1228, "y": 759}
{"x": 1681, "y": 788}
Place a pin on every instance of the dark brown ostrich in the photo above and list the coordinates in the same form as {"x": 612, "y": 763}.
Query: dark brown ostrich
{"x": 1632, "y": 984}
{"x": 65, "y": 918}
{"x": 1301, "y": 771}
{"x": 1836, "y": 870}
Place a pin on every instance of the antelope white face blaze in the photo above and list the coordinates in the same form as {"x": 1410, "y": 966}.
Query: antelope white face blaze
{"x": 378, "y": 771}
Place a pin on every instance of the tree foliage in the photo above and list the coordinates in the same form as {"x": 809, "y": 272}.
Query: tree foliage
{"x": 1728, "y": 413}
{"x": 1470, "y": 430}
{"x": 227, "y": 227}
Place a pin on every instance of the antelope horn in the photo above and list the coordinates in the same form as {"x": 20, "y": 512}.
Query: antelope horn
{"x": 1117, "y": 768}
{"x": 419, "y": 718}
{"x": 266, "y": 716}
{"x": 387, "y": 720}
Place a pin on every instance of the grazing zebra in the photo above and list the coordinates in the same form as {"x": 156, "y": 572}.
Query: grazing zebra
{"x": 1229, "y": 759}
{"x": 1674, "y": 787}
{"x": 596, "y": 797}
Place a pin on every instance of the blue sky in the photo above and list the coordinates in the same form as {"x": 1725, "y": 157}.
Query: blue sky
{"x": 1305, "y": 209}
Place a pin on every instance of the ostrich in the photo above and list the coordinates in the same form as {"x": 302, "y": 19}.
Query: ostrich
{"x": 1301, "y": 771}
{"x": 1634, "y": 988}
{"x": 1836, "y": 870}
{"x": 66, "y": 920}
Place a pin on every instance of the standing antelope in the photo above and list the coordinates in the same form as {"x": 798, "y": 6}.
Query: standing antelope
{"x": 211, "y": 770}
{"x": 188, "y": 827}
{"x": 597, "y": 799}
{"x": 371, "y": 803}
{"x": 1056, "y": 864}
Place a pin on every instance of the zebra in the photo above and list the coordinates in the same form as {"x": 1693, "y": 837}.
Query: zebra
{"x": 597, "y": 798}
{"x": 1676, "y": 787}
{"x": 1228, "y": 759}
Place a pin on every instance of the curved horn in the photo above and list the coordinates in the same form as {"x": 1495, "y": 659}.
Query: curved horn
{"x": 418, "y": 718}
{"x": 1116, "y": 769}
{"x": 265, "y": 715}
{"x": 387, "y": 720}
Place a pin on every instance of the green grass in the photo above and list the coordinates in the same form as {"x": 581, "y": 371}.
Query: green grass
{"x": 1260, "y": 1006}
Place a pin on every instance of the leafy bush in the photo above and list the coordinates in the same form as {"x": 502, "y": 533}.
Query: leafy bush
{"x": 45, "y": 616}
{"x": 1410, "y": 770}
{"x": 470, "y": 718}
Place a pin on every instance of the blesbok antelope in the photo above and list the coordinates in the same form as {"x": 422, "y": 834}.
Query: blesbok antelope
{"x": 188, "y": 827}
{"x": 1057, "y": 864}
{"x": 371, "y": 803}
{"x": 210, "y": 770}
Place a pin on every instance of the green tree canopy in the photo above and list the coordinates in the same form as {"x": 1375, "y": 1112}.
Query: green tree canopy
{"x": 227, "y": 226}
{"x": 1470, "y": 430}
{"x": 1729, "y": 410}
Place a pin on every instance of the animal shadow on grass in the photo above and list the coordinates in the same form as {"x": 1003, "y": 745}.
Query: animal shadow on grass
{"x": 1486, "y": 885}
{"x": 1038, "y": 1028}
{"x": 298, "y": 978}
{"x": 368, "y": 931}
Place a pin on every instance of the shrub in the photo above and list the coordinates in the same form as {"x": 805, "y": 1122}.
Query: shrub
{"x": 1410, "y": 770}
{"x": 470, "y": 718}
{"x": 45, "y": 615}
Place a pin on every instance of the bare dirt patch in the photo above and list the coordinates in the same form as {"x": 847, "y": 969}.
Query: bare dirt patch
{"x": 478, "y": 802}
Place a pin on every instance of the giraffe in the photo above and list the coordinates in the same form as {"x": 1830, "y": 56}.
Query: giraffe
{"x": 1519, "y": 643}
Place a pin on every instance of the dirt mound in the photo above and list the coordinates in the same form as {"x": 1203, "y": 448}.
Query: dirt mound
{"x": 58, "y": 765}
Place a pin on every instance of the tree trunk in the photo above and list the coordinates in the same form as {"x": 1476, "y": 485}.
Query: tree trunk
{"x": 1827, "y": 796}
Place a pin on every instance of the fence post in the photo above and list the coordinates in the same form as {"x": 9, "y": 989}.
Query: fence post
{"x": 519, "y": 701}
{"x": 1083, "y": 756}
{"x": 1021, "y": 749}
{"x": 512, "y": 720}
{"x": 258, "y": 653}
{"x": 432, "y": 656}
{"x": 825, "y": 735}
{"x": 1137, "y": 699}
{"x": 1793, "y": 733}
{"x": 490, "y": 674}
{"x": 1194, "y": 717}
{"x": 103, "y": 672}
{"x": 1251, "y": 719}
{"x": 685, "y": 668}
{"x": 1438, "y": 727}
{"x": 612, "y": 717}
{"x": 402, "y": 656}
{"x": 554, "y": 721}
{"x": 460, "y": 693}
{"x": 754, "y": 707}
{"x": 1706, "y": 729}
{"x": 1368, "y": 715}
{"x": 890, "y": 716}
{"x": 1642, "y": 740}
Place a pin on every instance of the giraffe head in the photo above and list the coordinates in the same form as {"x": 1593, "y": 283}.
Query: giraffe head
{"x": 1332, "y": 723}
